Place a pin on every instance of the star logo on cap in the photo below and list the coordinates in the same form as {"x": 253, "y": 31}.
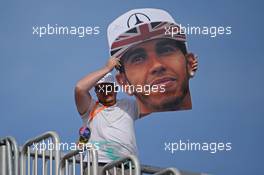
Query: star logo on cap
{"x": 137, "y": 18}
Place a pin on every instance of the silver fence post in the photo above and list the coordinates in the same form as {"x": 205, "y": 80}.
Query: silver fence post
{"x": 133, "y": 161}
{"x": 69, "y": 161}
{"x": 9, "y": 156}
{"x": 3, "y": 159}
{"x": 26, "y": 152}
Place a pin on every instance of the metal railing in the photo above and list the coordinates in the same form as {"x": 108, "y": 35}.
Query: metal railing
{"x": 168, "y": 171}
{"x": 9, "y": 154}
{"x": 147, "y": 169}
{"x": 70, "y": 160}
{"x": 59, "y": 163}
{"x": 129, "y": 164}
{"x": 39, "y": 152}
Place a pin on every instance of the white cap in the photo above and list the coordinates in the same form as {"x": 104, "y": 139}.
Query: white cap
{"x": 138, "y": 25}
{"x": 108, "y": 78}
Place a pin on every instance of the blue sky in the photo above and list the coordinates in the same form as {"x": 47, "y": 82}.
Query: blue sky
{"x": 38, "y": 76}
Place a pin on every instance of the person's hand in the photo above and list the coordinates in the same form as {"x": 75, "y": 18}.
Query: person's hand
{"x": 195, "y": 64}
{"x": 80, "y": 145}
{"x": 112, "y": 62}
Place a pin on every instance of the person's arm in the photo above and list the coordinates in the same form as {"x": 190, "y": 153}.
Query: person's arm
{"x": 82, "y": 96}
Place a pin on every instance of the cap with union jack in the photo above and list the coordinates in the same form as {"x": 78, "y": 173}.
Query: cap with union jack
{"x": 138, "y": 25}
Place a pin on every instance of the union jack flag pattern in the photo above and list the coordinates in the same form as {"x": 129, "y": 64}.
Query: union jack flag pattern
{"x": 146, "y": 32}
